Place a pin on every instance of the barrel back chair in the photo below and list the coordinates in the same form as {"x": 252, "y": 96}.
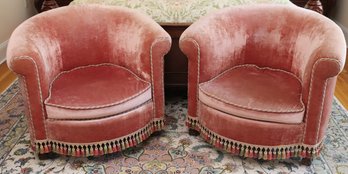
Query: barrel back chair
{"x": 261, "y": 79}
{"x": 91, "y": 77}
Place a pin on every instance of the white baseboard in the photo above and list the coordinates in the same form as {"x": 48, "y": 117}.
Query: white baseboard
{"x": 3, "y": 47}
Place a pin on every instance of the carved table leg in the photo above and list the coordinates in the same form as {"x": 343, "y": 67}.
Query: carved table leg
{"x": 48, "y": 5}
{"x": 315, "y": 5}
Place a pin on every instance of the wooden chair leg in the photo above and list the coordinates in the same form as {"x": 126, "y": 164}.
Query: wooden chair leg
{"x": 193, "y": 132}
{"x": 48, "y": 156}
{"x": 306, "y": 161}
{"x": 91, "y": 157}
{"x": 157, "y": 133}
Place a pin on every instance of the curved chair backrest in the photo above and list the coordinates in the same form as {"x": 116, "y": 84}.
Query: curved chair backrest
{"x": 68, "y": 37}
{"x": 277, "y": 36}
{"x": 72, "y": 36}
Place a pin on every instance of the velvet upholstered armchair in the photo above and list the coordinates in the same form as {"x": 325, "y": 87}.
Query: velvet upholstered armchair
{"x": 261, "y": 79}
{"x": 92, "y": 78}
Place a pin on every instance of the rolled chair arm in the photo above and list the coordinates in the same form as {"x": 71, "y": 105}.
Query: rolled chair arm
{"x": 159, "y": 48}
{"x": 191, "y": 49}
{"x": 25, "y": 59}
{"x": 319, "y": 74}
{"x": 324, "y": 59}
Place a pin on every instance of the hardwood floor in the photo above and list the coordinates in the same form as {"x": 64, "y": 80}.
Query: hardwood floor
{"x": 341, "y": 91}
{"x": 6, "y": 77}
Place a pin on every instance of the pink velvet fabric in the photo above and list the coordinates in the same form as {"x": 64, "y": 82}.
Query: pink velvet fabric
{"x": 95, "y": 91}
{"x": 99, "y": 130}
{"x": 70, "y": 37}
{"x": 255, "y": 93}
{"x": 249, "y": 130}
{"x": 300, "y": 42}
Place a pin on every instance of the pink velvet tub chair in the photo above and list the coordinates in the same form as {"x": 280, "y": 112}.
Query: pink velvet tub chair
{"x": 261, "y": 79}
{"x": 91, "y": 77}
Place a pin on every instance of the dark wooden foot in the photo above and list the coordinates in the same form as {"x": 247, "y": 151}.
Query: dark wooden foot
{"x": 157, "y": 133}
{"x": 306, "y": 161}
{"x": 193, "y": 132}
{"x": 48, "y": 156}
{"x": 90, "y": 157}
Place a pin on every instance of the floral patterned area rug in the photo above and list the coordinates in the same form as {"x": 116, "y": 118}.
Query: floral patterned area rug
{"x": 172, "y": 151}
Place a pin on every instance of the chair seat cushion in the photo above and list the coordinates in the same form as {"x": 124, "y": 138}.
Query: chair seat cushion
{"x": 95, "y": 91}
{"x": 263, "y": 94}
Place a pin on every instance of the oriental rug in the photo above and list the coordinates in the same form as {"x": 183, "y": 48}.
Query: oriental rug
{"x": 173, "y": 151}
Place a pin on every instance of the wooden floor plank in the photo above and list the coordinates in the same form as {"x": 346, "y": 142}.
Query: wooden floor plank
{"x": 341, "y": 91}
{"x": 7, "y": 77}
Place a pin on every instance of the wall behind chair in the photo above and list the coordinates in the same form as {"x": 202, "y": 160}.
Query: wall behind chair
{"x": 12, "y": 13}
{"x": 340, "y": 16}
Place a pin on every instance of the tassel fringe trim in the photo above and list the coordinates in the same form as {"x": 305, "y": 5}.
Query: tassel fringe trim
{"x": 254, "y": 151}
{"x": 96, "y": 149}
